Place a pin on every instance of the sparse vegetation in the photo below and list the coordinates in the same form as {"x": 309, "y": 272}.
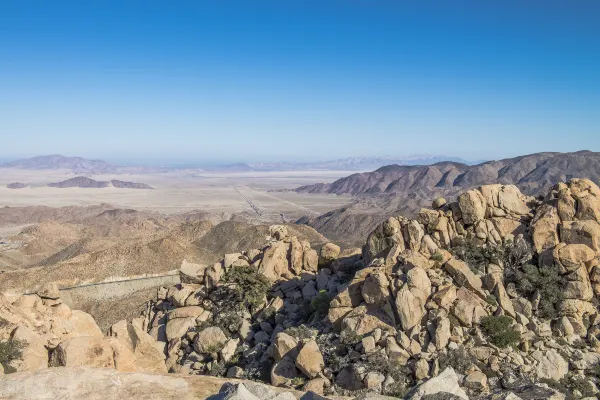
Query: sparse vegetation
{"x": 499, "y": 330}
{"x": 511, "y": 255}
{"x": 320, "y": 303}
{"x": 301, "y": 332}
{"x": 349, "y": 337}
{"x": 546, "y": 281}
{"x": 459, "y": 359}
{"x": 491, "y": 300}
{"x": 10, "y": 350}
{"x": 248, "y": 286}
{"x": 437, "y": 257}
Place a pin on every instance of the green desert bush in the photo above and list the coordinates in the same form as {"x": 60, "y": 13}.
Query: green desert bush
{"x": 10, "y": 350}
{"x": 248, "y": 287}
{"x": 320, "y": 303}
{"x": 499, "y": 330}
{"x": 511, "y": 254}
{"x": 546, "y": 280}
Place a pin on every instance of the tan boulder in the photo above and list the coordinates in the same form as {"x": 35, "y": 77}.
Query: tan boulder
{"x": 573, "y": 256}
{"x": 310, "y": 260}
{"x": 185, "y": 312}
{"x": 310, "y": 360}
{"x": 329, "y": 253}
{"x": 296, "y": 255}
{"x": 210, "y": 340}
{"x": 83, "y": 351}
{"x": 442, "y": 334}
{"x": 463, "y": 276}
{"x": 544, "y": 228}
{"x": 191, "y": 272}
{"x": 363, "y": 320}
{"x": 49, "y": 291}
{"x": 213, "y": 275}
{"x": 178, "y": 327}
{"x": 503, "y": 300}
{"x": 76, "y": 383}
{"x": 581, "y": 232}
{"x": 375, "y": 289}
{"x": 275, "y": 263}
{"x": 283, "y": 372}
{"x": 34, "y": 355}
{"x": 123, "y": 356}
{"x": 336, "y": 315}
{"x": 283, "y": 345}
{"x": 445, "y": 296}
{"x": 472, "y": 206}
{"x": 410, "y": 308}
{"x": 419, "y": 283}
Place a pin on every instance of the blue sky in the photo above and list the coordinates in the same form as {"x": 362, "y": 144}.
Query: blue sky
{"x": 209, "y": 81}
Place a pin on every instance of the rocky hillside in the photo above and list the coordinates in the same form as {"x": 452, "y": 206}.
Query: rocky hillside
{"x": 533, "y": 174}
{"x": 494, "y": 296}
{"x": 401, "y": 189}
{"x": 84, "y": 182}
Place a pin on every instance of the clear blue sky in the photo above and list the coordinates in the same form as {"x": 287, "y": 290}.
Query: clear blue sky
{"x": 298, "y": 80}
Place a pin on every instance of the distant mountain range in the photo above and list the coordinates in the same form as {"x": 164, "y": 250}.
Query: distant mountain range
{"x": 344, "y": 164}
{"x": 77, "y": 165}
{"x": 84, "y": 182}
{"x": 80, "y": 165}
{"x": 401, "y": 189}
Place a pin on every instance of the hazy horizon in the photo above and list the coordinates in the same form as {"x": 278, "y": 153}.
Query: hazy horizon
{"x": 316, "y": 81}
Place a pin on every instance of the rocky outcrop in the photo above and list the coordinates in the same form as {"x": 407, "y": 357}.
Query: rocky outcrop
{"x": 497, "y": 285}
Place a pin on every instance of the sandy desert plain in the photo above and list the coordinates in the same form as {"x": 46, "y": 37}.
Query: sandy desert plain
{"x": 181, "y": 191}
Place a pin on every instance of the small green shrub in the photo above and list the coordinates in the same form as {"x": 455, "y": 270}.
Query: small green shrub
{"x": 10, "y": 350}
{"x": 349, "y": 337}
{"x": 301, "y": 332}
{"x": 320, "y": 303}
{"x": 491, "y": 300}
{"x": 248, "y": 286}
{"x": 499, "y": 330}
{"x": 511, "y": 254}
{"x": 547, "y": 281}
{"x": 437, "y": 257}
{"x": 459, "y": 359}
{"x": 298, "y": 381}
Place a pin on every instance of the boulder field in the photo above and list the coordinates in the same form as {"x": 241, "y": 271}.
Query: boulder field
{"x": 494, "y": 296}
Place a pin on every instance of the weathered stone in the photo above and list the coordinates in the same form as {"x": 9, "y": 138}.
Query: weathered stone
{"x": 283, "y": 345}
{"x": 329, "y": 253}
{"x": 551, "y": 365}
{"x": 463, "y": 276}
{"x": 365, "y": 319}
{"x": 410, "y": 308}
{"x": 445, "y": 382}
{"x": 573, "y": 256}
{"x": 192, "y": 272}
{"x": 581, "y": 232}
{"x": 296, "y": 255}
{"x": 49, "y": 291}
{"x": 375, "y": 288}
{"x": 210, "y": 340}
{"x": 284, "y": 371}
{"x": 275, "y": 264}
{"x": 476, "y": 380}
{"x": 83, "y": 351}
{"x": 472, "y": 206}
{"x": 177, "y": 328}
{"x": 310, "y": 360}
{"x": 445, "y": 296}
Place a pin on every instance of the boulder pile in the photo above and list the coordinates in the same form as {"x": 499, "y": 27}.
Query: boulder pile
{"x": 494, "y": 296}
